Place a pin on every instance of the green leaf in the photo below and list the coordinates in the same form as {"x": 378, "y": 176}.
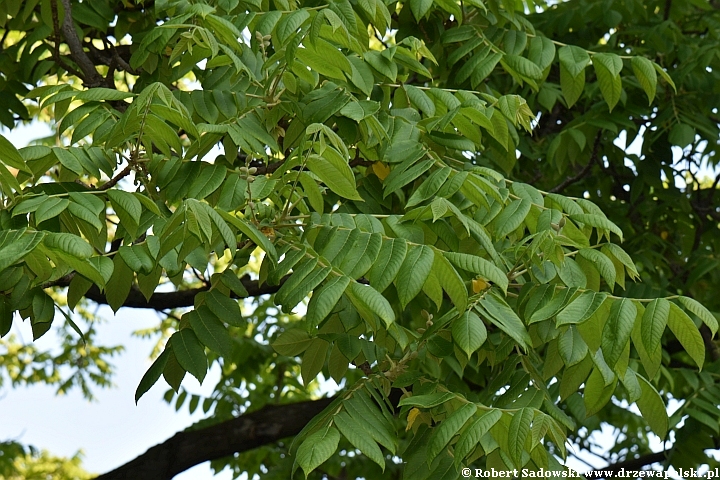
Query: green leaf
{"x": 523, "y": 66}
{"x": 549, "y": 310}
{"x": 190, "y": 353}
{"x": 387, "y": 265}
{"x": 499, "y": 313}
{"x": 357, "y": 435}
{"x": 450, "y": 281}
{"x": 582, "y": 308}
{"x": 99, "y": 94}
{"x": 118, "y": 287}
{"x": 572, "y": 86}
{"x": 362, "y": 76}
{"x": 413, "y": 273}
{"x": 324, "y": 299}
{"x": 484, "y": 68}
{"x": 632, "y": 385}
{"x": 303, "y": 288}
{"x": 420, "y": 8}
{"x": 471, "y": 435}
{"x": 224, "y": 307}
{"x": 608, "y": 67}
{"x": 596, "y": 393}
{"x": 292, "y": 342}
{"x": 366, "y": 411}
{"x": 302, "y": 271}
{"x": 289, "y": 25}
{"x": 429, "y": 187}
{"x": 365, "y": 251}
{"x": 369, "y": 298}
{"x": 652, "y": 408}
{"x": 127, "y": 208}
{"x": 313, "y": 359}
{"x": 209, "y": 180}
{"x": 574, "y": 59}
{"x": 654, "y": 321}
{"x": 16, "y": 245}
{"x": 448, "y": 428}
{"x": 512, "y": 216}
{"x": 317, "y": 448}
{"x": 650, "y": 360}
{"x": 68, "y": 160}
{"x": 10, "y": 156}
{"x": 83, "y": 213}
{"x": 469, "y": 332}
{"x": 597, "y": 221}
{"x": 250, "y": 231}
{"x": 421, "y": 100}
{"x": 646, "y": 75}
{"x": 687, "y": 334}
{"x": 152, "y": 375}
{"x": 427, "y": 400}
{"x": 623, "y": 257}
{"x": 399, "y": 177}
{"x": 480, "y": 266}
{"x": 617, "y": 330}
{"x": 665, "y": 76}
{"x": 572, "y": 347}
{"x": 69, "y": 243}
{"x": 518, "y": 433}
{"x": 210, "y": 330}
{"x": 50, "y": 208}
{"x": 701, "y": 312}
{"x": 137, "y": 258}
{"x": 325, "y": 59}
{"x": 173, "y": 372}
{"x": 603, "y": 264}
{"x": 335, "y": 172}
{"x": 541, "y": 51}
{"x": 29, "y": 204}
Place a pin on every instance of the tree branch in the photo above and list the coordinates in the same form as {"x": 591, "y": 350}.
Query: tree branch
{"x": 668, "y": 6}
{"x": 167, "y": 300}
{"x": 585, "y": 171}
{"x": 189, "y": 448}
{"x": 113, "y": 181}
{"x": 633, "y": 464}
{"x": 91, "y": 77}
{"x": 270, "y": 168}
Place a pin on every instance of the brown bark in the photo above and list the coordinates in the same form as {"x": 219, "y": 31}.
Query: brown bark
{"x": 189, "y": 448}
{"x": 168, "y": 300}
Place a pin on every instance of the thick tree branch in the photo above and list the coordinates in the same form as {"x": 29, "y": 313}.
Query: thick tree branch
{"x": 634, "y": 464}
{"x": 585, "y": 171}
{"x": 187, "y": 449}
{"x": 167, "y": 300}
{"x": 91, "y": 77}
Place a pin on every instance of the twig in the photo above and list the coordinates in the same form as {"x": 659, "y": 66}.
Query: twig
{"x": 585, "y": 171}
{"x": 113, "y": 181}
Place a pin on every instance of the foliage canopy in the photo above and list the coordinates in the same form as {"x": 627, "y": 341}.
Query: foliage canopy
{"x": 441, "y": 179}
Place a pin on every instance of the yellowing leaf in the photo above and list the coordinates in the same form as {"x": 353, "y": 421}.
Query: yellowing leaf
{"x": 412, "y": 416}
{"x": 479, "y": 284}
{"x": 381, "y": 170}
